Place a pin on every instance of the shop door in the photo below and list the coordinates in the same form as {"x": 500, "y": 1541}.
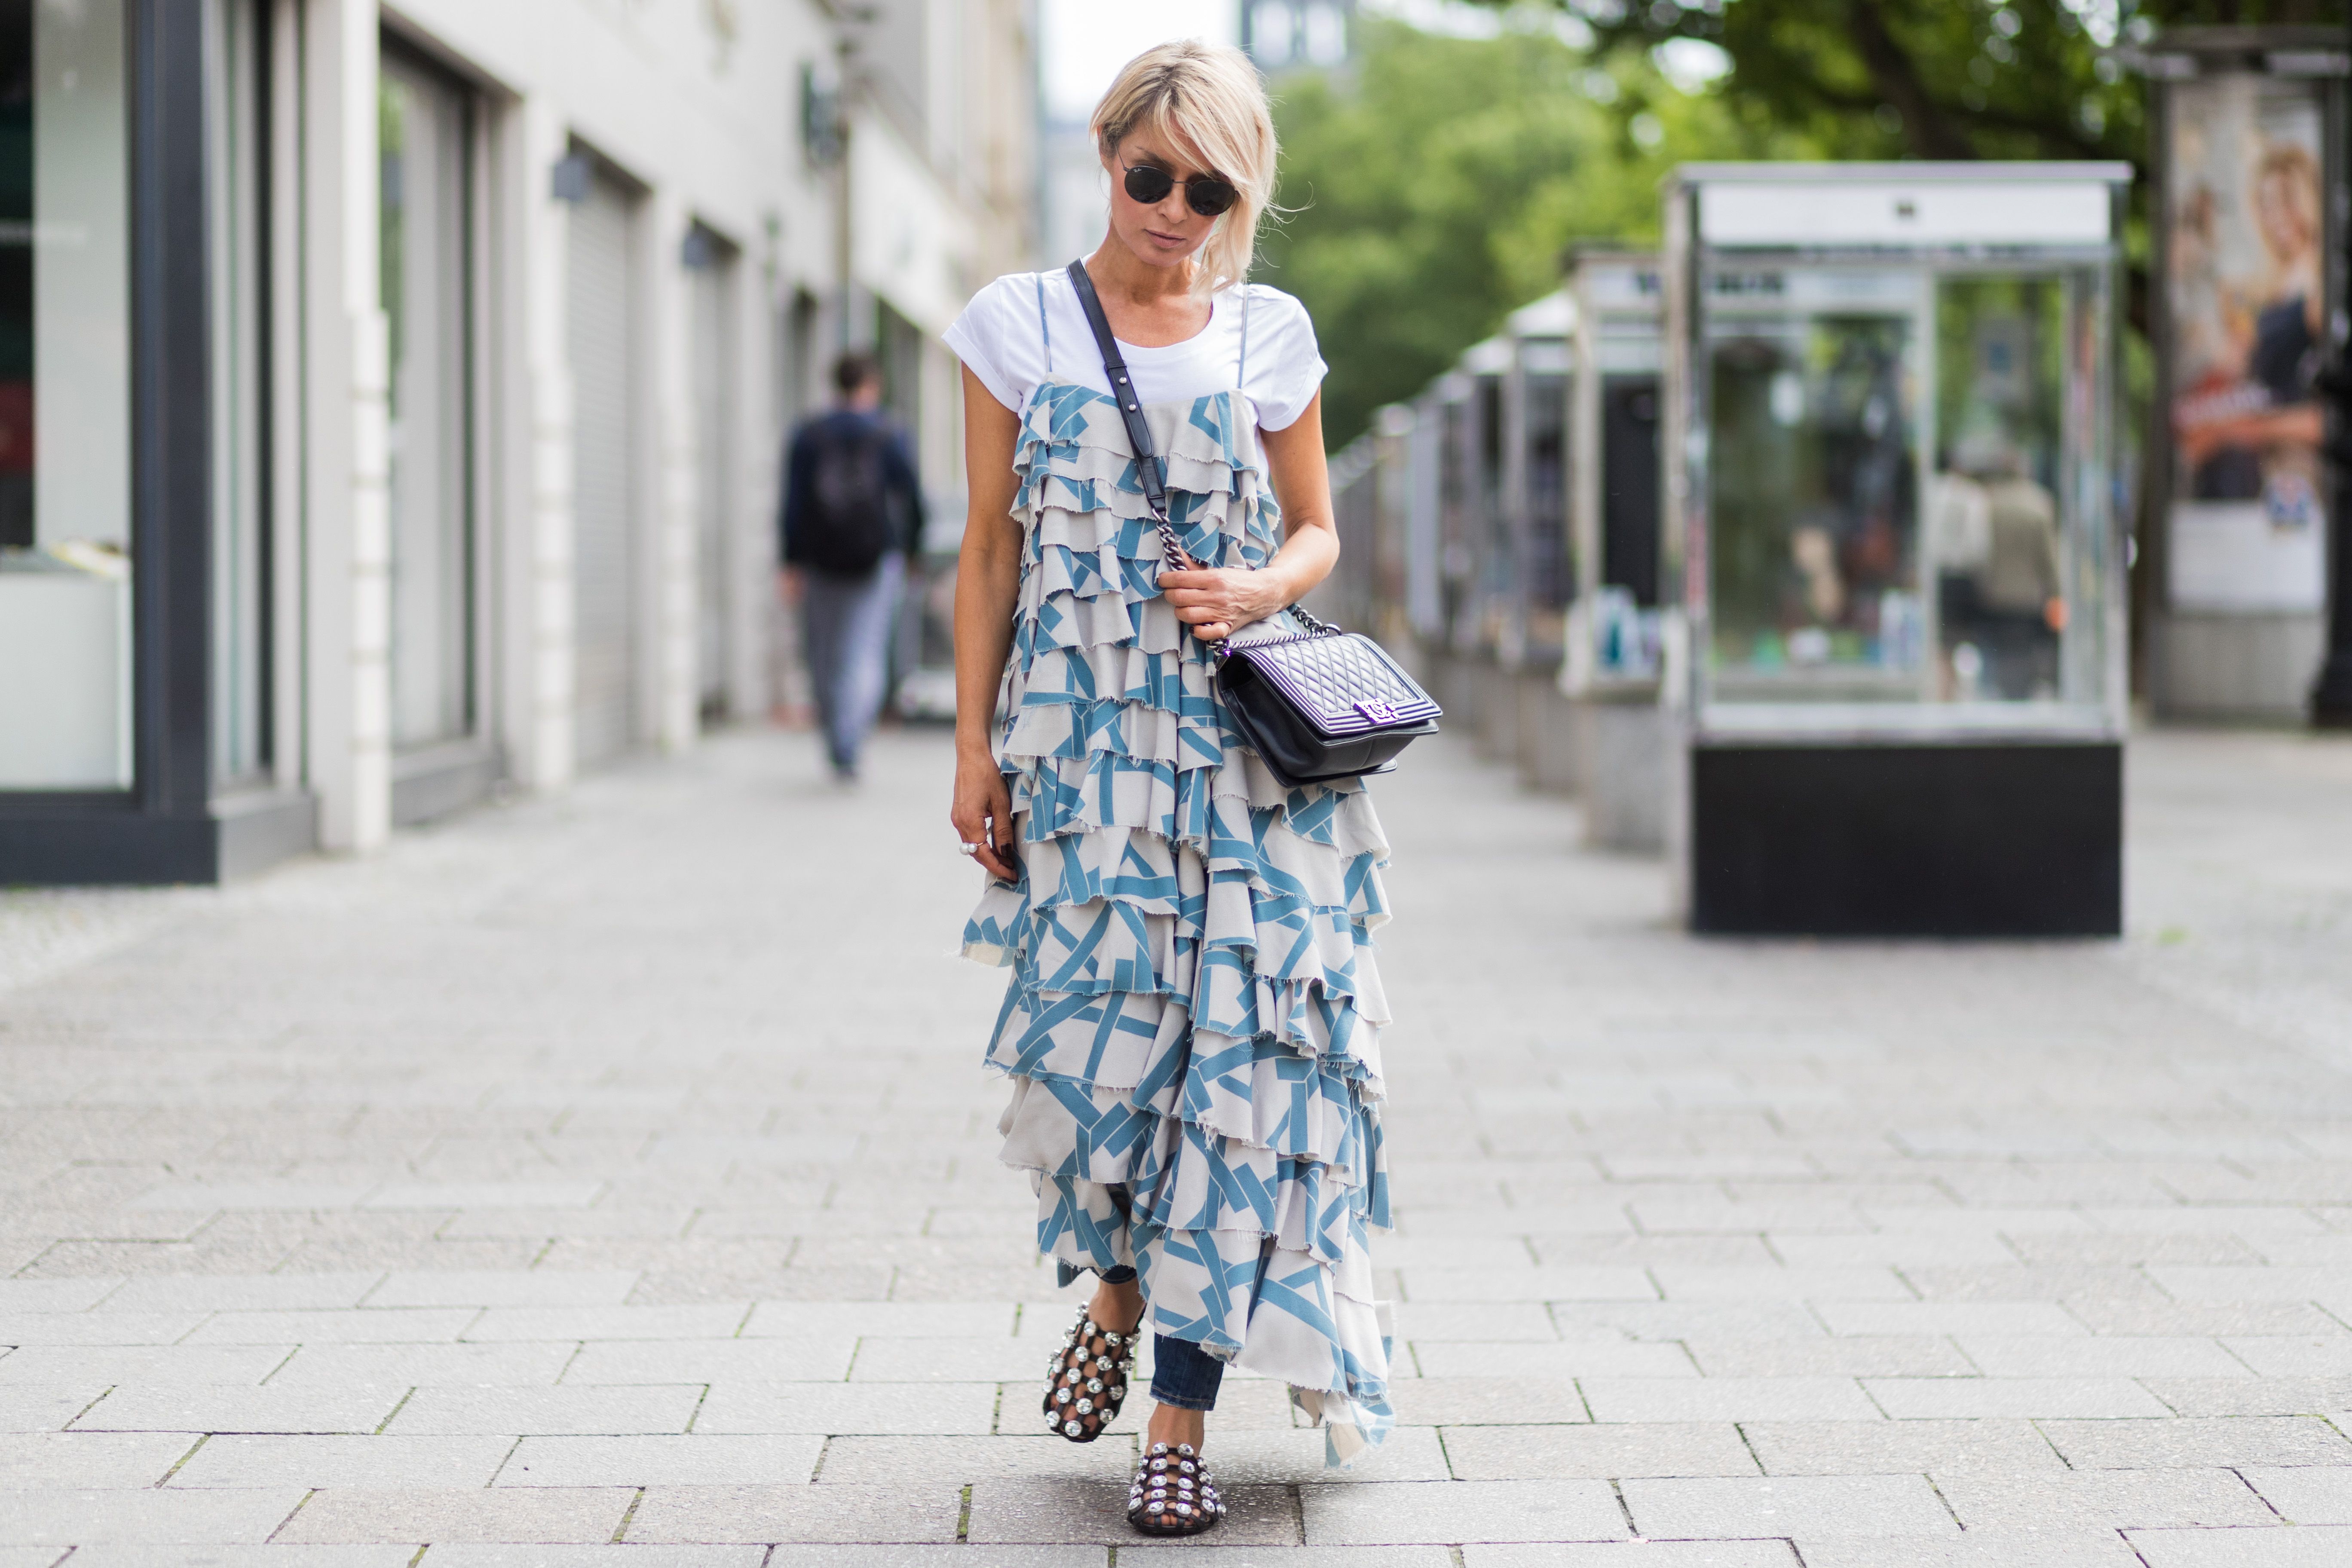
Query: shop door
{"x": 603, "y": 340}
{"x": 714, "y": 418}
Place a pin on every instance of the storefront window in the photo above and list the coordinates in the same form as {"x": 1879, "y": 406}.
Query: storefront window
{"x": 240, "y": 549}
{"x": 64, "y": 425}
{"x": 425, "y": 251}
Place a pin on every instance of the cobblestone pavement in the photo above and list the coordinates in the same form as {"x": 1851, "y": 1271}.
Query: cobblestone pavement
{"x": 609, "y": 1180}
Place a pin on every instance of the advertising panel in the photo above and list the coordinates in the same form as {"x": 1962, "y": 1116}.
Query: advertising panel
{"x": 2245, "y": 240}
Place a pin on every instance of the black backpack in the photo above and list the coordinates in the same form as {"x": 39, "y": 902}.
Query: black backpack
{"x": 847, "y": 525}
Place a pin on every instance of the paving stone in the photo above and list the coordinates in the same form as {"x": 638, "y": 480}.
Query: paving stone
{"x": 1296, "y": 1458}
{"x": 462, "y": 1365}
{"x": 2038, "y": 1549}
{"x": 234, "y": 1408}
{"x": 1599, "y": 1451}
{"x": 45, "y": 1407}
{"x": 2246, "y": 1396}
{"x": 95, "y": 1328}
{"x": 716, "y": 1321}
{"x": 2303, "y": 1494}
{"x": 714, "y": 1361}
{"x": 793, "y": 1556}
{"x": 1969, "y": 1399}
{"x": 1635, "y": 1555}
{"x": 461, "y": 1554}
{"x": 947, "y": 1361}
{"x": 1460, "y": 1511}
{"x": 1888, "y": 1447}
{"x": 37, "y": 1459}
{"x": 360, "y": 1326}
{"x": 1842, "y": 1356}
{"x": 2187, "y": 1443}
{"x": 924, "y": 1513}
{"x": 164, "y": 1515}
{"x": 1551, "y": 1362}
{"x": 522, "y": 1515}
{"x": 244, "y": 1459}
{"x": 876, "y": 1408}
{"x": 904, "y": 1460}
{"x": 137, "y": 1365}
{"x": 2054, "y": 1356}
{"x": 482, "y": 1288}
{"x": 562, "y": 1411}
{"x": 1483, "y": 1401}
{"x": 242, "y": 1292}
{"x": 2329, "y": 1547}
{"x": 703, "y": 1460}
{"x": 1725, "y": 1398}
{"x": 153, "y": 1554}
{"x": 1979, "y": 1318}
{"x": 2103, "y": 1499}
{"x": 1821, "y": 1506}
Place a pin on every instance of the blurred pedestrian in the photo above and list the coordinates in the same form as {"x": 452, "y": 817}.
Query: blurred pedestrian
{"x": 1191, "y": 1026}
{"x": 853, "y": 513}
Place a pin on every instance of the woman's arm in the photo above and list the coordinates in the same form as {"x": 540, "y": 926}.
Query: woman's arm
{"x": 988, "y": 582}
{"x": 1218, "y": 603}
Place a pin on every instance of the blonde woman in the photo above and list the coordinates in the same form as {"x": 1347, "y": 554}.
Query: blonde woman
{"x": 1190, "y": 1028}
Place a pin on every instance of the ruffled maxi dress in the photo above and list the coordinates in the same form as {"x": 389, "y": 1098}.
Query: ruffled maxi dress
{"x": 1192, "y": 1020}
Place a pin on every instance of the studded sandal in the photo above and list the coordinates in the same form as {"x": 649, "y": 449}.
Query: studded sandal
{"x": 1086, "y": 1381}
{"x": 1173, "y": 1494}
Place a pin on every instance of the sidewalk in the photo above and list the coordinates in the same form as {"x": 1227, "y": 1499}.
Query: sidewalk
{"x": 609, "y": 1181}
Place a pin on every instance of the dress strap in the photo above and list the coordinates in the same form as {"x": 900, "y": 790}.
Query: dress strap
{"x": 1045, "y": 326}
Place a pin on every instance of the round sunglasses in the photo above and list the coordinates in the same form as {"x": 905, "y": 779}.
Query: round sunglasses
{"x": 1208, "y": 195}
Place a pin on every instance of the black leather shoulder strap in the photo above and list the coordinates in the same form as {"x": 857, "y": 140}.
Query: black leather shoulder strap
{"x": 1122, "y": 391}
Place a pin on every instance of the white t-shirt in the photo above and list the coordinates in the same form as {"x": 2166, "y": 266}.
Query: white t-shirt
{"x": 1003, "y": 339}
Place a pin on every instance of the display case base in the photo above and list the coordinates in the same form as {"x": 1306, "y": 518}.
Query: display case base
{"x": 1923, "y": 841}
{"x": 235, "y": 838}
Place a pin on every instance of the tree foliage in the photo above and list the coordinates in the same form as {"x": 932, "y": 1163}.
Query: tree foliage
{"x": 1435, "y": 182}
{"x": 1939, "y": 79}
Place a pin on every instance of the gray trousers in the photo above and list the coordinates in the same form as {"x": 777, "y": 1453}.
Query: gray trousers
{"x": 845, "y": 624}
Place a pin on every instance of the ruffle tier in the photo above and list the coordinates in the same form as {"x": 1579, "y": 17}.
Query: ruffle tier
{"x": 1193, "y": 1021}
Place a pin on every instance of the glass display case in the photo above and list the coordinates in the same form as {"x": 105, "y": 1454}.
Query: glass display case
{"x": 1891, "y": 389}
{"x": 1537, "y": 390}
{"x": 1620, "y": 309}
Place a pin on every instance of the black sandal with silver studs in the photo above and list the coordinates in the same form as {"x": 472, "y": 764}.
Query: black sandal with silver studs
{"x": 1086, "y": 1381}
{"x": 1173, "y": 1494}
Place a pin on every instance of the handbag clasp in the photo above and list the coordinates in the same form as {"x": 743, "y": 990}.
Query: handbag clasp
{"x": 1377, "y": 712}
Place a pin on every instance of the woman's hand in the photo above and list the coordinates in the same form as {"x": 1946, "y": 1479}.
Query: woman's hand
{"x": 1217, "y": 602}
{"x": 982, "y": 813}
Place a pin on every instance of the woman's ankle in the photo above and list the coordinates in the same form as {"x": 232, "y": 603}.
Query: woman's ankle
{"x": 1173, "y": 1424}
{"x": 1117, "y": 1308}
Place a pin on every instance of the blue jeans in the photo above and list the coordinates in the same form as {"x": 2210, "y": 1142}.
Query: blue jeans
{"x": 845, "y": 622}
{"x": 1182, "y": 1374}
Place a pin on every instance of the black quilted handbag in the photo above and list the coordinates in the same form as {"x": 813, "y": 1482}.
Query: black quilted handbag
{"x": 1318, "y": 705}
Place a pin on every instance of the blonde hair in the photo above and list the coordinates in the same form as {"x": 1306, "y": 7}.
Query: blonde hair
{"x": 1211, "y": 96}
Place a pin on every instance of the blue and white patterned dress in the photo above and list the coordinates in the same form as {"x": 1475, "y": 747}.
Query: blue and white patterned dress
{"x": 1193, "y": 1021}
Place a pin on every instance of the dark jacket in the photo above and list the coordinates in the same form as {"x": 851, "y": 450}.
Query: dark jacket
{"x": 906, "y": 511}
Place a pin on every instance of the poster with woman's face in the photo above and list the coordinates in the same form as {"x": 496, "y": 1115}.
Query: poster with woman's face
{"x": 2244, "y": 248}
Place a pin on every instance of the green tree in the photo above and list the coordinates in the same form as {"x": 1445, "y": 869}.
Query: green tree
{"x": 1435, "y": 182}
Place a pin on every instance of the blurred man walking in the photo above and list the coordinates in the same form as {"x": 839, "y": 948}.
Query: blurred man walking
{"x": 853, "y": 513}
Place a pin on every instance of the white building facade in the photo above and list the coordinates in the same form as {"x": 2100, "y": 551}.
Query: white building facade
{"x": 427, "y": 368}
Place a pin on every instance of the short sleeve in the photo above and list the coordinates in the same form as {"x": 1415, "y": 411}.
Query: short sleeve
{"x": 1284, "y": 366}
{"x": 1000, "y": 338}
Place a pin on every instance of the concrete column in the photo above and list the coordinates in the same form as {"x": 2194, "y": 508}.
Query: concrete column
{"x": 673, "y": 717}
{"x": 344, "y": 501}
{"x": 756, "y": 443}
{"x": 535, "y": 275}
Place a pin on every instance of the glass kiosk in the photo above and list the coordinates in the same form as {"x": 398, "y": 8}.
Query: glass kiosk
{"x": 1890, "y": 405}
{"x": 1615, "y": 632}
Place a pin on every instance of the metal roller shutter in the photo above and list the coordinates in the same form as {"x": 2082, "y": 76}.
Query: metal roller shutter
{"x": 602, "y": 334}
